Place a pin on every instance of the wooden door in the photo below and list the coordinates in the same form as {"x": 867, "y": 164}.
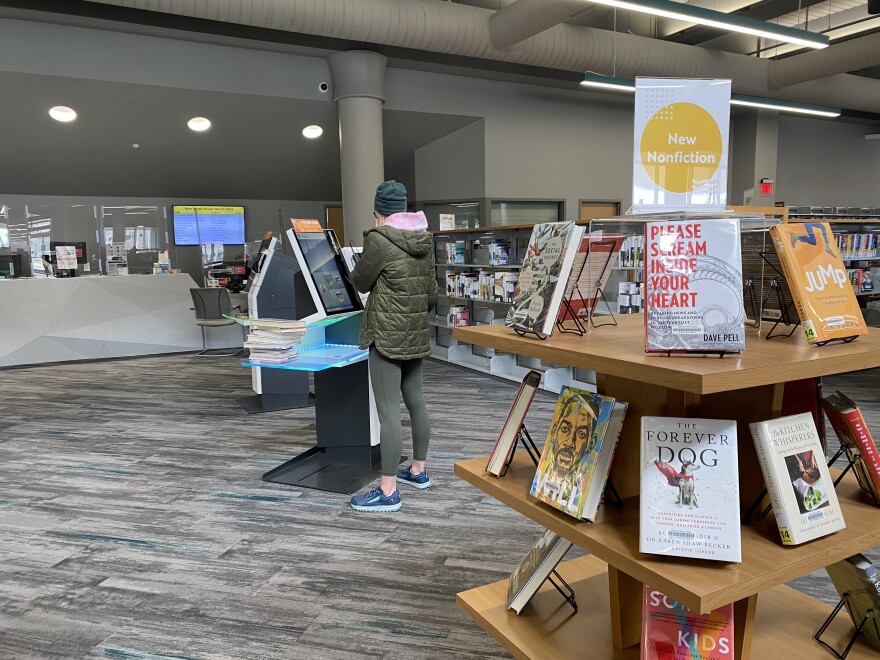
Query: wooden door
{"x": 593, "y": 210}
{"x": 334, "y": 222}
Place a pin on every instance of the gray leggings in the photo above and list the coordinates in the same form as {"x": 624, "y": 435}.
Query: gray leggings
{"x": 390, "y": 378}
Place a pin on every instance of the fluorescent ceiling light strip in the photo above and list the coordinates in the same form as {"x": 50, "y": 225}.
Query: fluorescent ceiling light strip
{"x": 608, "y": 82}
{"x": 733, "y": 23}
{"x": 784, "y": 106}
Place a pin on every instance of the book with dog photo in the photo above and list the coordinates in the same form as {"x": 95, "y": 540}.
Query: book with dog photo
{"x": 798, "y": 481}
{"x": 534, "y": 568}
{"x": 582, "y": 423}
{"x": 689, "y": 504}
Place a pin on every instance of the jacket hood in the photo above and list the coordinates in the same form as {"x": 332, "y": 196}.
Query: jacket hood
{"x": 408, "y": 232}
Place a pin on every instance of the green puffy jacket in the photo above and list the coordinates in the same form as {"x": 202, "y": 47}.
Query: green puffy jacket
{"x": 397, "y": 268}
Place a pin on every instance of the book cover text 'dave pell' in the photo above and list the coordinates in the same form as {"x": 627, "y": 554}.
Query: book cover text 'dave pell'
{"x": 693, "y": 286}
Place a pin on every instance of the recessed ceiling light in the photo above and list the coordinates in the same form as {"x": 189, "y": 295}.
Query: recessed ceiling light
{"x": 199, "y": 124}
{"x": 135, "y": 146}
{"x": 313, "y": 131}
{"x": 62, "y": 113}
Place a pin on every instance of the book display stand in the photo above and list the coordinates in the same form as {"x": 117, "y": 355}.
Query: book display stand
{"x": 768, "y": 615}
{"x": 841, "y": 655}
{"x": 568, "y": 311}
{"x": 561, "y": 585}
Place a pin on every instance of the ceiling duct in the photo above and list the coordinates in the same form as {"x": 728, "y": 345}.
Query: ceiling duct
{"x": 456, "y": 29}
{"x": 850, "y": 55}
{"x": 526, "y": 18}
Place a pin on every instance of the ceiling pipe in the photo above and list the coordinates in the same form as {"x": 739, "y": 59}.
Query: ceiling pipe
{"x": 456, "y": 29}
{"x": 852, "y": 55}
{"x": 526, "y": 18}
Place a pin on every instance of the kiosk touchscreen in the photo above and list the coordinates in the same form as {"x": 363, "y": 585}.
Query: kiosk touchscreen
{"x": 325, "y": 277}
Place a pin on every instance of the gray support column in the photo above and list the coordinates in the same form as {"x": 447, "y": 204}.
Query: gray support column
{"x": 359, "y": 92}
{"x": 754, "y": 147}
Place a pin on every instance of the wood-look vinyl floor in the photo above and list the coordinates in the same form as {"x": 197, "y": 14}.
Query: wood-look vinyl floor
{"x": 134, "y": 524}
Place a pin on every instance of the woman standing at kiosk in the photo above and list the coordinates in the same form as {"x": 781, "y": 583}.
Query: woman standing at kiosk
{"x": 397, "y": 268}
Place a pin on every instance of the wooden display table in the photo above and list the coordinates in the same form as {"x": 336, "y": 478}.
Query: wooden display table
{"x": 746, "y": 388}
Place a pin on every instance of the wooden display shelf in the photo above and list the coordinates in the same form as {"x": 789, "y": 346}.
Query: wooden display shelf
{"x": 548, "y": 628}
{"x": 698, "y": 584}
{"x": 620, "y": 351}
{"x": 746, "y": 388}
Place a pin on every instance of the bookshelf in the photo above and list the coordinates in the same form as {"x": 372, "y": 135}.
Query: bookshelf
{"x": 746, "y": 388}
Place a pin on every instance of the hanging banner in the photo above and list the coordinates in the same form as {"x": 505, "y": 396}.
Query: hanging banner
{"x": 680, "y": 145}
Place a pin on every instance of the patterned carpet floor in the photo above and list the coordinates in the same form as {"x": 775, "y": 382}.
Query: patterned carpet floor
{"x": 134, "y": 524}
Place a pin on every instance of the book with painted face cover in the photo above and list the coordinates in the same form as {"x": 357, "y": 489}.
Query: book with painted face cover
{"x": 858, "y": 583}
{"x": 506, "y": 442}
{"x": 544, "y": 274}
{"x": 689, "y": 500}
{"x": 856, "y": 440}
{"x": 670, "y": 631}
{"x": 534, "y": 569}
{"x": 820, "y": 287}
{"x": 694, "y": 286}
{"x": 567, "y": 472}
{"x": 798, "y": 480}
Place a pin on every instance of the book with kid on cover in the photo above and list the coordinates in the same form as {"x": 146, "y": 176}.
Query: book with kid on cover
{"x": 545, "y": 271}
{"x": 798, "y": 481}
{"x": 689, "y": 503}
{"x": 694, "y": 286}
{"x": 820, "y": 287}
{"x": 581, "y": 422}
{"x": 670, "y": 631}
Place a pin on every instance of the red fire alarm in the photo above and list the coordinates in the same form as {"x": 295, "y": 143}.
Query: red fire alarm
{"x": 767, "y": 186}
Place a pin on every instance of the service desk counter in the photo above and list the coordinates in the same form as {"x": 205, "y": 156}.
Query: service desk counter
{"x": 85, "y": 318}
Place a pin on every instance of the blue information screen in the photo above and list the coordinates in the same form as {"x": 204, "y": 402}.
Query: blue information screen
{"x": 204, "y": 225}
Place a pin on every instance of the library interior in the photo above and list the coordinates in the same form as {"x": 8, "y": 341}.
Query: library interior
{"x": 471, "y": 329}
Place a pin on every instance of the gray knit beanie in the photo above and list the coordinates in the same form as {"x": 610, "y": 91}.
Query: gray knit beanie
{"x": 390, "y": 198}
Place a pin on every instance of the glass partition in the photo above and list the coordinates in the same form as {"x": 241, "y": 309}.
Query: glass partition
{"x": 525, "y": 212}
{"x": 446, "y": 216}
{"x": 143, "y": 230}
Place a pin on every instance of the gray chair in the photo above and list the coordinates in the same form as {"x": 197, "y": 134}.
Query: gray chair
{"x": 210, "y": 304}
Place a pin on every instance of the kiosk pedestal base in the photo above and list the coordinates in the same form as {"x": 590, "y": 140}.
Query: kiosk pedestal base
{"x": 282, "y": 390}
{"x": 320, "y": 468}
{"x": 343, "y": 460}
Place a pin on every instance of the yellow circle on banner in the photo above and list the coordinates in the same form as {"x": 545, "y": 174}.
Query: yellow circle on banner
{"x": 681, "y": 147}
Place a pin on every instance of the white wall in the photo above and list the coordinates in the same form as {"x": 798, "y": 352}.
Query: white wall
{"x": 541, "y": 143}
{"x": 827, "y": 163}
{"x": 453, "y": 167}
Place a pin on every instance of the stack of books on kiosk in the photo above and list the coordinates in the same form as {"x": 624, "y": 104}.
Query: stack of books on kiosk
{"x": 274, "y": 341}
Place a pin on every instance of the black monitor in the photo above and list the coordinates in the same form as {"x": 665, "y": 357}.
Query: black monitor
{"x": 327, "y": 280}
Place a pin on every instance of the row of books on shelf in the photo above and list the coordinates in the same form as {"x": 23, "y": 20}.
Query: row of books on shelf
{"x": 689, "y": 499}
{"x": 632, "y": 252}
{"x": 482, "y": 285}
{"x": 274, "y": 341}
{"x": 693, "y": 282}
{"x": 863, "y": 279}
{"x": 689, "y": 492}
{"x": 858, "y": 246}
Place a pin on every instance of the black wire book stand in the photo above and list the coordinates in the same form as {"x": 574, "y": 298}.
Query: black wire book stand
{"x": 870, "y": 615}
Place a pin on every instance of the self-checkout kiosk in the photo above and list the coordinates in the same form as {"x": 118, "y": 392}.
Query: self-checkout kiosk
{"x": 276, "y": 290}
{"x": 346, "y": 455}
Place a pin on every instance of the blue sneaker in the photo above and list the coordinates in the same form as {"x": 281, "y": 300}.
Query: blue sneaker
{"x": 420, "y": 481}
{"x": 376, "y": 500}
